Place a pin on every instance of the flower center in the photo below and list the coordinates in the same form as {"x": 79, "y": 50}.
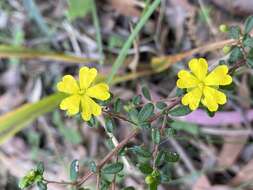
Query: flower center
{"x": 82, "y": 92}
{"x": 201, "y": 85}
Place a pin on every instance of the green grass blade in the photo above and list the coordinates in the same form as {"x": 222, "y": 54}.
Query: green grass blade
{"x": 16, "y": 120}
{"x": 98, "y": 32}
{"x": 8, "y": 51}
{"x": 123, "y": 53}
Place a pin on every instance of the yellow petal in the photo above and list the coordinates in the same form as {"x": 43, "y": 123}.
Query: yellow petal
{"x": 186, "y": 80}
{"x": 86, "y": 76}
{"x": 212, "y": 98}
{"x": 68, "y": 85}
{"x": 192, "y": 98}
{"x": 99, "y": 91}
{"x": 219, "y": 76}
{"x": 71, "y": 104}
{"x": 89, "y": 107}
{"x": 198, "y": 67}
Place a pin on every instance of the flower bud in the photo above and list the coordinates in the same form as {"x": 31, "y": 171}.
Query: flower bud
{"x": 149, "y": 179}
{"x": 226, "y": 49}
{"x": 223, "y": 28}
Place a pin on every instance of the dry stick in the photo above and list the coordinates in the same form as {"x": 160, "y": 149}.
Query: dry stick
{"x": 201, "y": 49}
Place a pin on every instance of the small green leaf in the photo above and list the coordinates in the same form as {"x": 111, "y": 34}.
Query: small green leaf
{"x": 234, "y": 32}
{"x": 160, "y": 158}
{"x": 27, "y": 180}
{"x": 248, "y": 24}
{"x": 145, "y": 168}
{"x": 146, "y": 93}
{"x": 249, "y": 62}
{"x": 109, "y": 124}
{"x": 113, "y": 168}
{"x": 180, "y": 111}
{"x": 133, "y": 115}
{"x": 74, "y": 170}
{"x": 92, "y": 122}
{"x": 40, "y": 168}
{"x": 161, "y": 105}
{"x": 156, "y": 135}
{"x": 117, "y": 107}
{"x": 140, "y": 151}
{"x": 235, "y": 55}
{"x": 136, "y": 100}
{"x": 92, "y": 166}
{"x": 41, "y": 185}
{"x": 170, "y": 132}
{"x": 144, "y": 125}
{"x": 248, "y": 41}
{"x": 146, "y": 112}
{"x": 180, "y": 92}
{"x": 172, "y": 157}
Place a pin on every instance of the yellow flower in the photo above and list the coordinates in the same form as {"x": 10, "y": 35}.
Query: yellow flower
{"x": 203, "y": 87}
{"x": 82, "y": 93}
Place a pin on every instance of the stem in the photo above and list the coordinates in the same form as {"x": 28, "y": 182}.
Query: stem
{"x": 98, "y": 180}
{"x": 110, "y": 155}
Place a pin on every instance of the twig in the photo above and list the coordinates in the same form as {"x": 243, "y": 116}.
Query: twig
{"x": 98, "y": 180}
{"x": 110, "y": 155}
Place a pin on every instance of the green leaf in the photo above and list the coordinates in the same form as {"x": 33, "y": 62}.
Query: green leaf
{"x": 180, "y": 92}
{"x": 145, "y": 168}
{"x": 41, "y": 185}
{"x": 249, "y": 62}
{"x": 113, "y": 168}
{"x": 146, "y": 93}
{"x": 234, "y": 32}
{"x": 117, "y": 107}
{"x": 161, "y": 105}
{"x": 170, "y": 132}
{"x": 146, "y": 112}
{"x": 92, "y": 166}
{"x": 40, "y": 168}
{"x": 248, "y": 41}
{"x": 172, "y": 157}
{"x": 109, "y": 124}
{"x": 133, "y": 115}
{"x": 185, "y": 126}
{"x": 136, "y": 100}
{"x": 180, "y": 111}
{"x": 159, "y": 158}
{"x": 248, "y": 24}
{"x": 235, "y": 55}
{"x": 140, "y": 151}
{"x": 92, "y": 122}
{"x": 156, "y": 136}
{"x": 144, "y": 125}
{"x": 28, "y": 179}
{"x": 78, "y": 8}
{"x": 74, "y": 170}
